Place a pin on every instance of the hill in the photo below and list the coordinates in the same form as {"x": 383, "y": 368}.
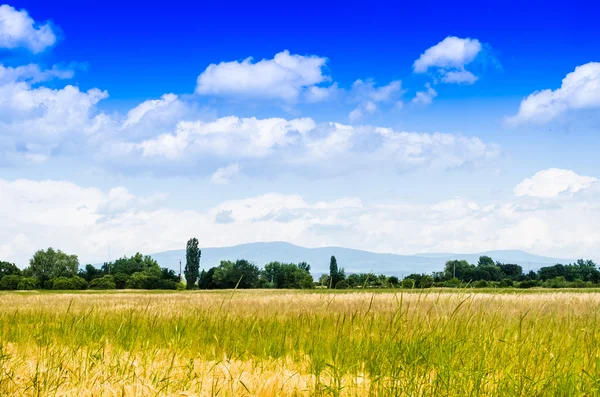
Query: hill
{"x": 352, "y": 260}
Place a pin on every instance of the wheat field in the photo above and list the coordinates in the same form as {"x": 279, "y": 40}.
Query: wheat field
{"x": 292, "y": 343}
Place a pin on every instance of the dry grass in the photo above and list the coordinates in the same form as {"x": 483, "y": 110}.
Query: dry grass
{"x": 265, "y": 343}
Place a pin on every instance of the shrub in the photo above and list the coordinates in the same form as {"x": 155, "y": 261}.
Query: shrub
{"x": 557, "y": 282}
{"x": 581, "y": 284}
{"x": 69, "y": 283}
{"x": 481, "y": 284}
{"x": 136, "y": 281}
{"x": 426, "y": 281}
{"x": 408, "y": 283}
{"x": 452, "y": 283}
{"x": 507, "y": 282}
{"x": 10, "y": 282}
{"x": 307, "y": 282}
{"x": 28, "y": 284}
{"x": 121, "y": 280}
{"x": 529, "y": 284}
{"x": 342, "y": 284}
{"x": 106, "y": 282}
{"x": 167, "y": 284}
{"x": 153, "y": 282}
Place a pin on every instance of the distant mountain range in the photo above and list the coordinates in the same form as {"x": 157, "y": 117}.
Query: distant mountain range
{"x": 354, "y": 261}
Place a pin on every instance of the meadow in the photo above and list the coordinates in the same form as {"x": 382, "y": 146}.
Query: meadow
{"x": 298, "y": 343}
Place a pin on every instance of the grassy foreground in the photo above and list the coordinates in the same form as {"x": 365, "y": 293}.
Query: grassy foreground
{"x": 285, "y": 343}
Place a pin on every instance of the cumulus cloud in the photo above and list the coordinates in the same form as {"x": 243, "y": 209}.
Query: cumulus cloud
{"x": 18, "y": 29}
{"x": 228, "y": 136}
{"x": 38, "y": 214}
{"x": 153, "y": 106}
{"x": 368, "y": 96}
{"x": 32, "y": 73}
{"x": 284, "y": 77}
{"x": 302, "y": 142}
{"x": 425, "y": 97}
{"x": 554, "y": 182}
{"x": 37, "y": 120}
{"x": 224, "y": 175}
{"x": 580, "y": 89}
{"x": 448, "y": 58}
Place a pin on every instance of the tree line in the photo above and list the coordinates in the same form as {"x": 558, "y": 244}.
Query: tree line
{"x": 56, "y": 270}
{"x": 487, "y": 273}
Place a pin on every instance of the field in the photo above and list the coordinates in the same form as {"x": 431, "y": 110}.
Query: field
{"x": 293, "y": 343}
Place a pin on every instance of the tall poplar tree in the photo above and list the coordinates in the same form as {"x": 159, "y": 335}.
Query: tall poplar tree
{"x": 192, "y": 263}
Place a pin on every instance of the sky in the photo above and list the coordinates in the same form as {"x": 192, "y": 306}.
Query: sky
{"x": 390, "y": 127}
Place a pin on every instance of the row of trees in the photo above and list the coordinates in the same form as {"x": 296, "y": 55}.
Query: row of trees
{"x": 51, "y": 269}
{"x": 487, "y": 273}
{"x": 57, "y": 270}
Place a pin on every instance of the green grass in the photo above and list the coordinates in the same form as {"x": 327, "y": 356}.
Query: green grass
{"x": 466, "y": 342}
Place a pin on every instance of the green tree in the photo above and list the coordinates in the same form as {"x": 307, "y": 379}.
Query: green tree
{"x": 335, "y": 274}
{"x": 106, "y": 282}
{"x": 485, "y": 261}
{"x": 408, "y": 283}
{"x": 192, "y": 263}
{"x": 240, "y": 274}
{"x": 9, "y": 269}
{"x": 10, "y": 282}
{"x": 90, "y": 272}
{"x": 28, "y": 284}
{"x": 206, "y": 279}
{"x": 51, "y": 264}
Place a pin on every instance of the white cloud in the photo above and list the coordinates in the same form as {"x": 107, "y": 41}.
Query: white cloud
{"x": 459, "y": 76}
{"x": 448, "y": 58}
{"x": 368, "y": 96}
{"x": 580, "y": 89}
{"x": 355, "y": 115}
{"x": 223, "y": 175}
{"x": 229, "y": 136}
{"x": 135, "y": 115}
{"x": 302, "y": 142}
{"x": 285, "y": 77}
{"x": 452, "y": 52}
{"x": 318, "y": 94}
{"x": 369, "y": 91}
{"x": 88, "y": 220}
{"x": 554, "y": 182}
{"x": 32, "y": 74}
{"x": 41, "y": 119}
{"x": 18, "y": 29}
{"x": 425, "y": 97}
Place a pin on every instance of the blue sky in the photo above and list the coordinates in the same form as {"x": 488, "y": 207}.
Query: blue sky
{"x": 416, "y": 127}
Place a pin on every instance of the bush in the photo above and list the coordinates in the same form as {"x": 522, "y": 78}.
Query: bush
{"x": 28, "y": 284}
{"x": 121, "y": 280}
{"x": 529, "y": 284}
{"x": 506, "y": 283}
{"x": 481, "y": 284}
{"x": 106, "y": 282}
{"x": 307, "y": 282}
{"x": 167, "y": 284}
{"x": 10, "y": 282}
{"x": 557, "y": 282}
{"x": 136, "y": 281}
{"x": 426, "y": 281}
{"x": 408, "y": 283}
{"x": 452, "y": 283}
{"x": 581, "y": 284}
{"x": 342, "y": 284}
{"x": 69, "y": 283}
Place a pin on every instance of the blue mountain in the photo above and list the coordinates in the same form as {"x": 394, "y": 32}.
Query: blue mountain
{"x": 354, "y": 261}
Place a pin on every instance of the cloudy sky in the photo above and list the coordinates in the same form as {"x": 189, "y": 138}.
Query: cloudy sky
{"x": 426, "y": 128}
